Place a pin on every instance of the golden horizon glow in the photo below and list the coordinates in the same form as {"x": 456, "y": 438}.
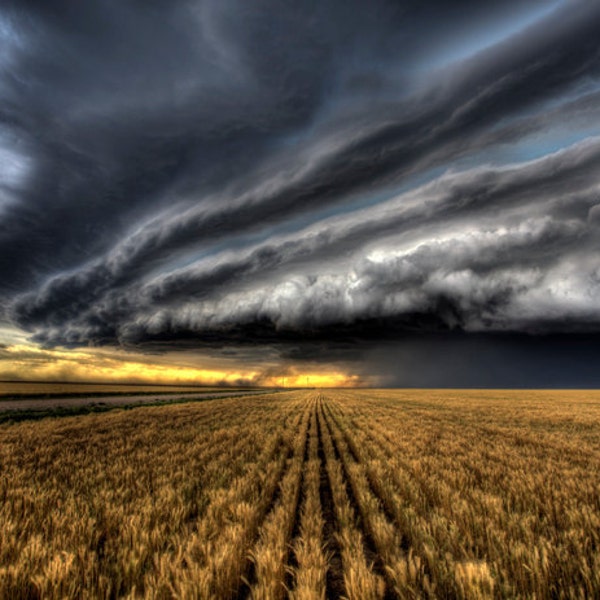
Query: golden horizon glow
{"x": 27, "y": 362}
{"x": 313, "y": 379}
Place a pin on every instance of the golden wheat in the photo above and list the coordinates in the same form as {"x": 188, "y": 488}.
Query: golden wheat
{"x": 342, "y": 493}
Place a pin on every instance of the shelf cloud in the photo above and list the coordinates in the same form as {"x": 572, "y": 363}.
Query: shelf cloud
{"x": 324, "y": 181}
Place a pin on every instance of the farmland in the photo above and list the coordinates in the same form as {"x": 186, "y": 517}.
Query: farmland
{"x": 36, "y": 389}
{"x": 361, "y": 494}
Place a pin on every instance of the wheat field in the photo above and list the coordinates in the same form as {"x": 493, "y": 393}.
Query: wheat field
{"x": 359, "y": 494}
{"x": 24, "y": 389}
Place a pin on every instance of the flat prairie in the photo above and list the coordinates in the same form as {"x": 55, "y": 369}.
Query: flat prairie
{"x": 42, "y": 388}
{"x": 308, "y": 494}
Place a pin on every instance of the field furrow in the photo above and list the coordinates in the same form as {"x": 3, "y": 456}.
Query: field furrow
{"x": 476, "y": 535}
{"x": 308, "y": 560}
{"x": 270, "y": 554}
{"x": 309, "y": 495}
{"x": 334, "y": 582}
{"x": 405, "y": 572}
{"x": 414, "y": 565}
{"x": 360, "y": 580}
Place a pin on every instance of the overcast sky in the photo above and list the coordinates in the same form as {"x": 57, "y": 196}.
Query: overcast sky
{"x": 407, "y": 193}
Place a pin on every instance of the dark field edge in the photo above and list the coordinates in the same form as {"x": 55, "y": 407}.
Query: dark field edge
{"x": 199, "y": 390}
{"x": 32, "y": 414}
{"x": 58, "y": 395}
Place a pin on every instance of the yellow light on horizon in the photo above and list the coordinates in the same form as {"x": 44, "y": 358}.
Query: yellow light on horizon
{"x": 317, "y": 380}
{"x": 28, "y": 362}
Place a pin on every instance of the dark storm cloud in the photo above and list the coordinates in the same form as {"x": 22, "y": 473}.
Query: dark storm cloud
{"x": 449, "y": 222}
{"x": 509, "y": 361}
{"x": 424, "y": 130}
{"x": 301, "y": 177}
{"x": 122, "y": 105}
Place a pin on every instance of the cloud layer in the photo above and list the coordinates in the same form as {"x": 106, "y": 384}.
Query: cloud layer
{"x": 310, "y": 180}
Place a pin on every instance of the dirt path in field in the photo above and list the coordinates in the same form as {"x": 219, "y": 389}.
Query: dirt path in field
{"x": 40, "y": 404}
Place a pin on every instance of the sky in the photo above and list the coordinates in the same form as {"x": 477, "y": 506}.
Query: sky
{"x": 327, "y": 192}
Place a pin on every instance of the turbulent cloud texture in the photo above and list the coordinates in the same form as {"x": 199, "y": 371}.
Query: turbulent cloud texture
{"x": 313, "y": 180}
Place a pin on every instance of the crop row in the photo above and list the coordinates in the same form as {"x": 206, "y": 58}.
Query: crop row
{"x": 309, "y": 495}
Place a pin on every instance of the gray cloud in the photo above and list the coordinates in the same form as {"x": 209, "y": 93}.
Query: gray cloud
{"x": 450, "y": 222}
{"x": 294, "y": 177}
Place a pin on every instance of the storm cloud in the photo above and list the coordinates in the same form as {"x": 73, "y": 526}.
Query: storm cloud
{"x": 327, "y": 181}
